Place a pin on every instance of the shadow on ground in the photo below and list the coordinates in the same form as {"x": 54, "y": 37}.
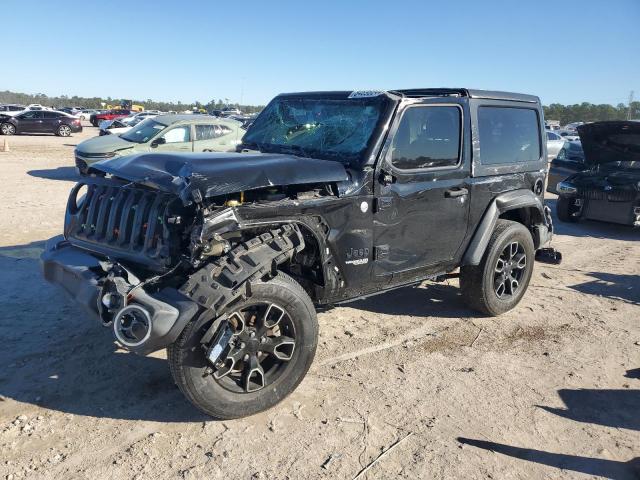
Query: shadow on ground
{"x": 612, "y": 408}
{"x": 60, "y": 173}
{"x": 612, "y": 285}
{"x": 63, "y": 360}
{"x": 591, "y": 466}
{"x": 439, "y": 299}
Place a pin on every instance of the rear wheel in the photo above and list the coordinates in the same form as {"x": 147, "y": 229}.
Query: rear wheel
{"x": 498, "y": 283}
{"x": 566, "y": 210}
{"x": 274, "y": 341}
{"x": 7, "y": 129}
{"x": 64, "y": 131}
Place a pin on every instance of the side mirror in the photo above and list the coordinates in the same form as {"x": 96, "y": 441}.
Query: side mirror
{"x": 158, "y": 141}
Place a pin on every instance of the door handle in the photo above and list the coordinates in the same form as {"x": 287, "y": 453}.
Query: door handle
{"x": 455, "y": 192}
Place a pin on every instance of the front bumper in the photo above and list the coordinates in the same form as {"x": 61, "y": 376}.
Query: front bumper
{"x": 80, "y": 275}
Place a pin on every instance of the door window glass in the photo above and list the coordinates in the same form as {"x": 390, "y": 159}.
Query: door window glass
{"x": 427, "y": 137}
{"x": 31, "y": 115}
{"x": 178, "y": 135}
{"x": 206, "y": 132}
{"x": 508, "y": 135}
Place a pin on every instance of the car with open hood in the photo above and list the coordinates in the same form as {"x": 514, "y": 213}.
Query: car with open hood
{"x": 607, "y": 185}
{"x": 164, "y": 133}
{"x": 331, "y": 196}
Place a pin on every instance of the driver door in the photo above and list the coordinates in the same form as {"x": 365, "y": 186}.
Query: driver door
{"x": 423, "y": 189}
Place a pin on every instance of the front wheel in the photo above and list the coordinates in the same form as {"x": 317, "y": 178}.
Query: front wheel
{"x": 7, "y": 129}
{"x": 566, "y": 210}
{"x": 498, "y": 283}
{"x": 275, "y": 334}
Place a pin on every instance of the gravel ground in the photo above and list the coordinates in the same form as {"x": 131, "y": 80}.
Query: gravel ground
{"x": 549, "y": 390}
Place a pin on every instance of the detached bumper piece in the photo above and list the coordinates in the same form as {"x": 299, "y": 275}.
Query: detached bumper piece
{"x": 143, "y": 322}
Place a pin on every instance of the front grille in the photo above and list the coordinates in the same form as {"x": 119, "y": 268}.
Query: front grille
{"x": 95, "y": 155}
{"x": 121, "y": 221}
{"x": 615, "y": 195}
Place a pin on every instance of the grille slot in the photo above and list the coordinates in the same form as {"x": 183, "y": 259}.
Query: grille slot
{"x": 615, "y": 195}
{"x": 123, "y": 219}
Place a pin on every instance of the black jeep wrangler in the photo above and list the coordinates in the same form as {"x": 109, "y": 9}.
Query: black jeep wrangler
{"x": 332, "y": 196}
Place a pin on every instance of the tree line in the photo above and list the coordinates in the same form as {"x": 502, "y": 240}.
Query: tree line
{"x": 589, "y": 112}
{"x": 583, "y": 112}
{"x": 96, "y": 102}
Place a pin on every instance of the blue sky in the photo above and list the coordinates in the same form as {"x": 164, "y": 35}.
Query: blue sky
{"x": 187, "y": 50}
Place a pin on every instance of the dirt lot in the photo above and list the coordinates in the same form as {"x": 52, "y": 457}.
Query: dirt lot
{"x": 550, "y": 390}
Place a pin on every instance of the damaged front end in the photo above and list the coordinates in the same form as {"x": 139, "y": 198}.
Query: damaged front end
{"x": 146, "y": 254}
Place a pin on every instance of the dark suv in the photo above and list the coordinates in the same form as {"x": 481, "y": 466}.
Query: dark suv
{"x": 41, "y": 121}
{"x": 332, "y": 196}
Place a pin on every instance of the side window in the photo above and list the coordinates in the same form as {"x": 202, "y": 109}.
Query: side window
{"x": 49, "y": 115}
{"x": 427, "y": 136}
{"x": 552, "y": 136}
{"x": 31, "y": 115}
{"x": 508, "y": 135}
{"x": 178, "y": 134}
{"x": 205, "y": 132}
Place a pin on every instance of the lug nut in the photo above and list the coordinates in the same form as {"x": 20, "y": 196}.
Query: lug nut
{"x": 242, "y": 345}
{"x": 246, "y": 357}
{"x": 263, "y": 340}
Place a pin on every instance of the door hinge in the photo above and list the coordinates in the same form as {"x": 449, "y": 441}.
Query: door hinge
{"x": 381, "y": 252}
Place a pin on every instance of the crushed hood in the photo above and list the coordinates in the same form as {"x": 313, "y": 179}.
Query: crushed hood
{"x": 614, "y": 141}
{"x": 195, "y": 175}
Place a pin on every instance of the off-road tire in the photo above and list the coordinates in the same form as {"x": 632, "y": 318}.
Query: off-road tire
{"x": 565, "y": 210}
{"x": 477, "y": 281}
{"x": 188, "y": 363}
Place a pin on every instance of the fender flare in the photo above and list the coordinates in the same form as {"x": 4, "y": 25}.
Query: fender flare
{"x": 502, "y": 203}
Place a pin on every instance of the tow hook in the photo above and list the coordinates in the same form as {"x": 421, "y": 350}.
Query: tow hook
{"x": 549, "y": 255}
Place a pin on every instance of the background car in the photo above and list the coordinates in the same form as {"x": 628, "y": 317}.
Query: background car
{"x": 570, "y": 160}
{"x": 41, "y": 121}
{"x": 113, "y": 127}
{"x": 554, "y": 143}
{"x": 86, "y": 113}
{"x": 109, "y": 115}
{"x": 10, "y": 110}
{"x": 164, "y": 133}
{"x": 570, "y": 135}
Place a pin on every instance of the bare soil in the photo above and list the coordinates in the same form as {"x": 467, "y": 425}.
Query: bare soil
{"x": 549, "y": 390}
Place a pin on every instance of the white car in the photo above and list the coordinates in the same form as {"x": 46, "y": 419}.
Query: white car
{"x": 37, "y": 106}
{"x": 114, "y": 127}
{"x": 86, "y": 113}
{"x": 554, "y": 144}
{"x": 570, "y": 135}
{"x": 11, "y": 110}
{"x": 136, "y": 118}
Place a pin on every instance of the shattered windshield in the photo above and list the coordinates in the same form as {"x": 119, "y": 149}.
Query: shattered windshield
{"x": 336, "y": 129}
